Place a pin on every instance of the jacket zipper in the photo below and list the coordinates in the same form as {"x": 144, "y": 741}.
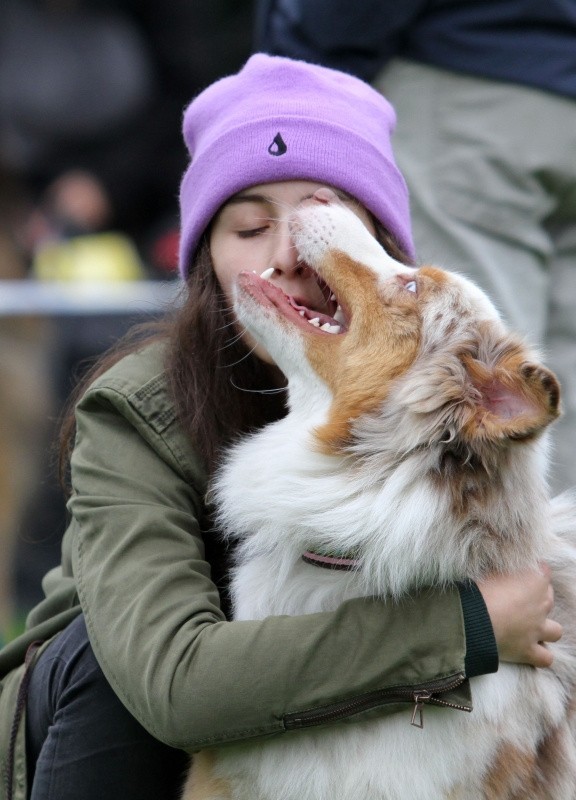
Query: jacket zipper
{"x": 426, "y": 693}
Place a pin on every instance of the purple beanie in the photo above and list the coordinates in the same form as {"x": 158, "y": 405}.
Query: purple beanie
{"x": 279, "y": 119}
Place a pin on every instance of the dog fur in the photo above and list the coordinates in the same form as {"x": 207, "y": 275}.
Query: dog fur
{"x": 415, "y": 439}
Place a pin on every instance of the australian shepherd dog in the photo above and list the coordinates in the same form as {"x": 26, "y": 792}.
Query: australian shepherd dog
{"x": 414, "y": 453}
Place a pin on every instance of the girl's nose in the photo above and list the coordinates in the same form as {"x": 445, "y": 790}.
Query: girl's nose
{"x": 285, "y": 259}
{"x": 285, "y": 256}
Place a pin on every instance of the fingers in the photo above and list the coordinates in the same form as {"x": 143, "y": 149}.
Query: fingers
{"x": 541, "y": 657}
{"x": 520, "y": 606}
{"x": 552, "y": 631}
{"x": 546, "y": 573}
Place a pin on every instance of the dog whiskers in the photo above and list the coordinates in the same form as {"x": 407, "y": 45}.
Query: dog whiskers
{"x": 240, "y": 360}
{"x": 277, "y": 390}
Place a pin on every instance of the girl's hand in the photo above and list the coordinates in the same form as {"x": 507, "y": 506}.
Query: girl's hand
{"x": 519, "y": 606}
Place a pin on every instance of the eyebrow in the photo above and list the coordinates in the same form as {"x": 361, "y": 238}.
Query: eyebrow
{"x": 247, "y": 197}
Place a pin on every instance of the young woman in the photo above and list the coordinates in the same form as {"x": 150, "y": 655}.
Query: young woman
{"x": 135, "y": 661}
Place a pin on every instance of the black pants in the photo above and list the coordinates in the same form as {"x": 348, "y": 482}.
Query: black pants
{"x": 82, "y": 742}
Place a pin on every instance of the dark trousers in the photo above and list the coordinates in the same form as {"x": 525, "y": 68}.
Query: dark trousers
{"x": 81, "y": 741}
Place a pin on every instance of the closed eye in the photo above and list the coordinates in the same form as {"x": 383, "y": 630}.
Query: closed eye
{"x": 248, "y": 234}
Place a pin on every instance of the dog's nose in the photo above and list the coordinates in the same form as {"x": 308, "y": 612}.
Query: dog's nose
{"x": 325, "y": 195}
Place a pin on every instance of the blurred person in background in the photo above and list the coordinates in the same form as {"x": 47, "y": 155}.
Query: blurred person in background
{"x": 91, "y": 97}
{"x": 92, "y": 94}
{"x": 485, "y": 93}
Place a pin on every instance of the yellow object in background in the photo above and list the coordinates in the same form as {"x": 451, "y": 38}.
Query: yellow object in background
{"x": 100, "y": 257}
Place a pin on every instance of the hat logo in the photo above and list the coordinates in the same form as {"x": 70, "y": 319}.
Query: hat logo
{"x": 278, "y": 146}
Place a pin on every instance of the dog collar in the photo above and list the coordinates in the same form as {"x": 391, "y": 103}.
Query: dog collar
{"x": 342, "y": 562}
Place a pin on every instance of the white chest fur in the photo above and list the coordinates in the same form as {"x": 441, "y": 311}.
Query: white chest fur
{"x": 298, "y": 500}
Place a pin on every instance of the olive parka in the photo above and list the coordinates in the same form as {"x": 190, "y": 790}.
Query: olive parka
{"x": 133, "y": 561}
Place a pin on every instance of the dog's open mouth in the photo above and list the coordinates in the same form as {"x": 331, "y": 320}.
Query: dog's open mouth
{"x": 325, "y": 315}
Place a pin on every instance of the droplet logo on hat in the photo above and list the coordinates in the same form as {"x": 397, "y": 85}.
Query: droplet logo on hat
{"x": 278, "y": 146}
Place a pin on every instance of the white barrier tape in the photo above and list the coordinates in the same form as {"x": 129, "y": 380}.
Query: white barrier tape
{"x": 35, "y": 298}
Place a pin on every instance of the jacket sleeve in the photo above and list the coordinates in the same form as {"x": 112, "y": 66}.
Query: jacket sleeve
{"x": 357, "y": 37}
{"x": 154, "y": 619}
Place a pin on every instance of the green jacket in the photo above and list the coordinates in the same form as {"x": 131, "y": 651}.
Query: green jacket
{"x": 133, "y": 562}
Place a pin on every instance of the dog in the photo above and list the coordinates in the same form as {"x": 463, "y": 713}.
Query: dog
{"x": 414, "y": 453}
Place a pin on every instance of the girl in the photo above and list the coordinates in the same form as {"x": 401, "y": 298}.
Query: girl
{"x": 135, "y": 661}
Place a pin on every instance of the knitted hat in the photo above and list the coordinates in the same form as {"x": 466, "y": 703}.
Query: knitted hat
{"x": 279, "y": 119}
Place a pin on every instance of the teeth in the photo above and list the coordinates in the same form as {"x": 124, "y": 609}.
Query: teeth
{"x": 267, "y": 274}
{"x": 333, "y": 297}
{"x": 302, "y": 313}
{"x": 339, "y": 315}
{"x": 315, "y": 322}
{"x": 330, "y": 328}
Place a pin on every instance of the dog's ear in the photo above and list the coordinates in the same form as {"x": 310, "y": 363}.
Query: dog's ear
{"x": 513, "y": 397}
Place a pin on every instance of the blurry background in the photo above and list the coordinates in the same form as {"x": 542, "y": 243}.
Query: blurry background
{"x": 91, "y": 99}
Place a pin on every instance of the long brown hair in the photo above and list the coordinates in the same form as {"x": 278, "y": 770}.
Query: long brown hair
{"x": 221, "y": 390}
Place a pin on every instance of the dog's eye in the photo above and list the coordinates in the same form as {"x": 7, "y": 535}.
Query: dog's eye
{"x": 410, "y": 286}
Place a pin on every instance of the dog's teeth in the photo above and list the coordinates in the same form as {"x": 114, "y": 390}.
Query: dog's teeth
{"x": 302, "y": 313}
{"x": 315, "y": 322}
{"x": 333, "y": 297}
{"x": 339, "y": 315}
{"x": 267, "y": 274}
{"x": 330, "y": 328}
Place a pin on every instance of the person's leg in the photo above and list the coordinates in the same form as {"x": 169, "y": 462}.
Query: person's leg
{"x": 467, "y": 149}
{"x": 561, "y": 343}
{"x": 492, "y": 182}
{"x": 81, "y": 741}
